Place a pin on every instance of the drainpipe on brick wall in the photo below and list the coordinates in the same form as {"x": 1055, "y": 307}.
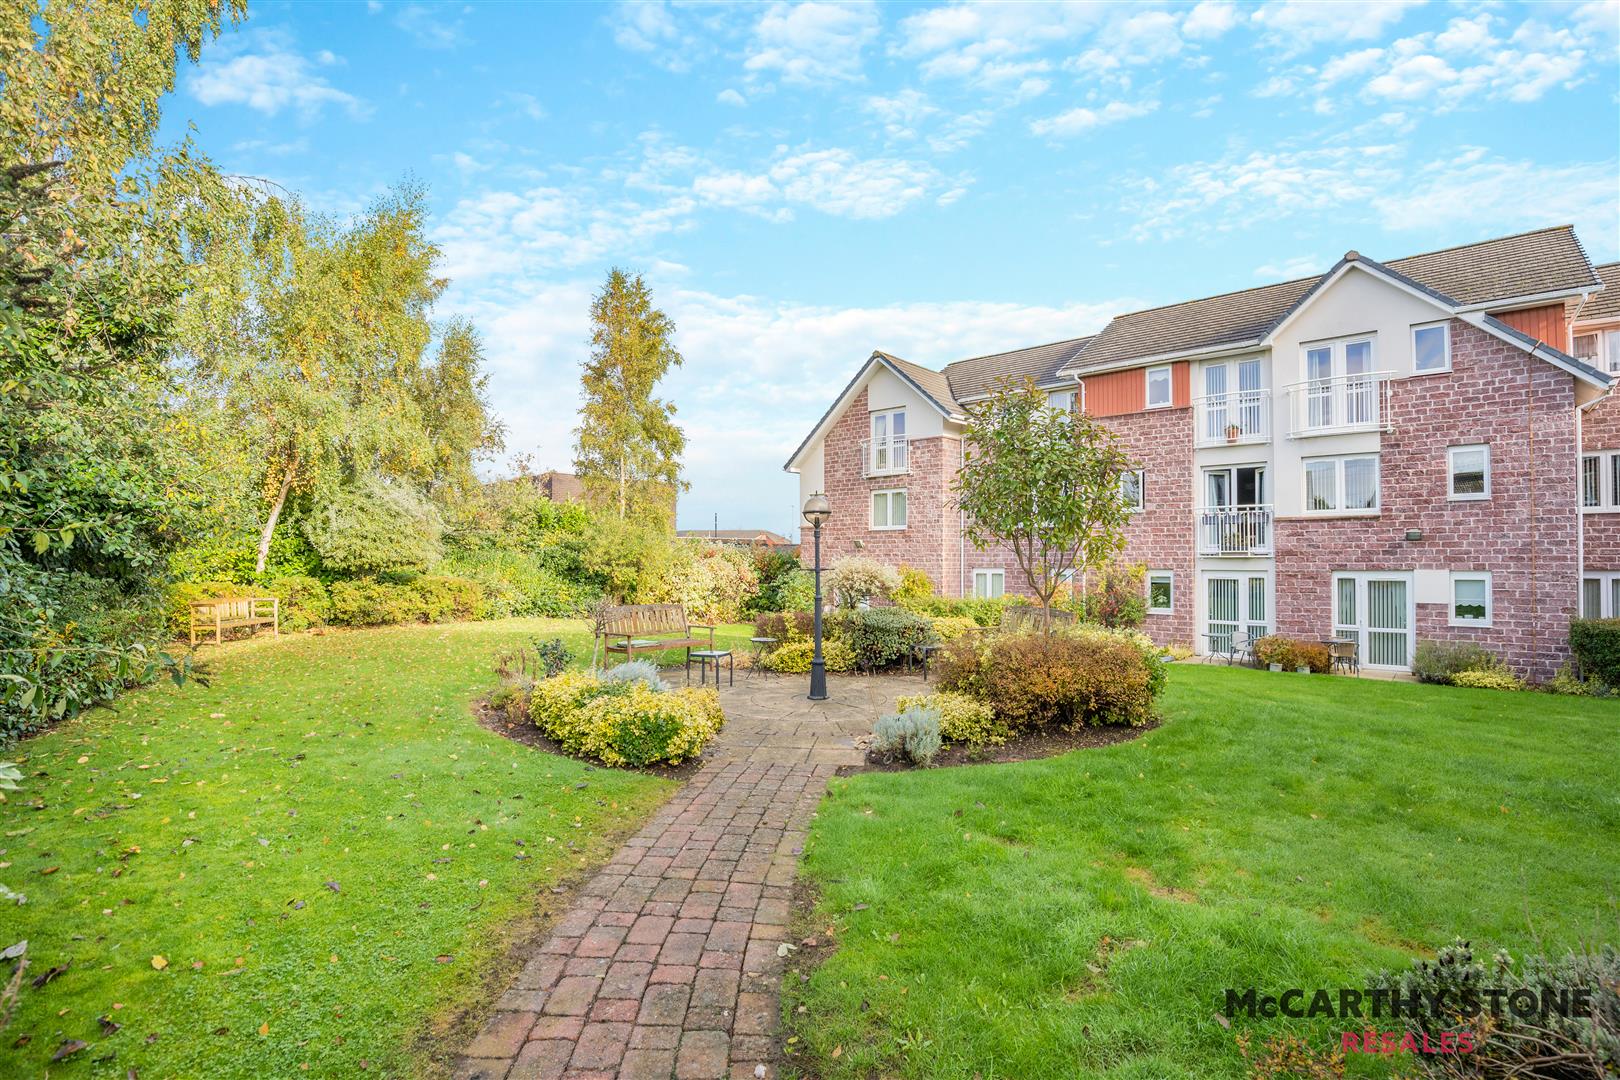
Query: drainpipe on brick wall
{"x": 1530, "y": 432}
{"x": 1580, "y": 515}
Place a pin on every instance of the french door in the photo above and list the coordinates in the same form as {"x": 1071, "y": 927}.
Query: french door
{"x": 1233, "y": 411}
{"x": 1233, "y": 603}
{"x": 1375, "y": 610}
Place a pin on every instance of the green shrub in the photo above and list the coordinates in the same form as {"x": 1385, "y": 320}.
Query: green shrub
{"x": 1275, "y": 649}
{"x": 883, "y": 637}
{"x": 982, "y": 612}
{"x": 786, "y": 626}
{"x": 915, "y": 587}
{"x": 857, "y": 578}
{"x": 305, "y": 601}
{"x": 717, "y": 584}
{"x": 369, "y": 602}
{"x": 1153, "y": 657}
{"x": 1114, "y": 597}
{"x": 1586, "y": 1044}
{"x": 1488, "y": 680}
{"x": 951, "y": 627}
{"x": 1040, "y": 680}
{"x": 554, "y": 656}
{"x": 962, "y": 719}
{"x": 959, "y": 667}
{"x": 913, "y": 732}
{"x": 627, "y": 723}
{"x": 516, "y": 584}
{"x": 182, "y": 594}
{"x": 1441, "y": 661}
{"x": 1596, "y": 645}
{"x": 794, "y": 657}
{"x": 1314, "y": 655}
{"x": 445, "y": 599}
{"x": 375, "y": 526}
{"x": 783, "y": 586}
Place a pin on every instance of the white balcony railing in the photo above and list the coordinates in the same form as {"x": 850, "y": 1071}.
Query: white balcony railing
{"x": 1243, "y": 416}
{"x": 885, "y": 457}
{"x": 1234, "y": 530}
{"x": 1342, "y": 403}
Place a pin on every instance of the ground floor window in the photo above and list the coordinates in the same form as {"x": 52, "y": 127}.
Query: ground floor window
{"x": 989, "y": 584}
{"x": 888, "y": 509}
{"x": 1160, "y": 591}
{"x": 1375, "y": 610}
{"x": 1470, "y": 599}
{"x": 1235, "y": 604}
{"x": 1600, "y": 596}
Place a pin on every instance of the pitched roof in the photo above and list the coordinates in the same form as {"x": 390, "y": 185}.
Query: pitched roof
{"x": 1506, "y": 268}
{"x": 744, "y": 536}
{"x": 932, "y": 383}
{"x": 1606, "y": 304}
{"x": 976, "y": 376}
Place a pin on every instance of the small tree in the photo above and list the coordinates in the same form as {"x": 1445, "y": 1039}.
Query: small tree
{"x": 1043, "y": 482}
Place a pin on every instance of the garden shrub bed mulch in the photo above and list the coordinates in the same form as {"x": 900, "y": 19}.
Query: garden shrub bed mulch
{"x": 529, "y": 734}
{"x": 1029, "y": 746}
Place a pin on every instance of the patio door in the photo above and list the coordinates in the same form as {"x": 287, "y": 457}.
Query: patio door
{"x": 1234, "y": 602}
{"x": 1375, "y": 610}
{"x": 1238, "y": 485}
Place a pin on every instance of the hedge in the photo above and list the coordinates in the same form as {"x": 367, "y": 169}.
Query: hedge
{"x": 1596, "y": 645}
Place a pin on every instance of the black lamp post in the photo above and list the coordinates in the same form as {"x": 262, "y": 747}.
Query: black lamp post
{"x": 816, "y": 511}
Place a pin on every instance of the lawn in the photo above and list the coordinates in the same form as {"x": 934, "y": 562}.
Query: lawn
{"x": 299, "y": 867}
{"x": 1082, "y": 916}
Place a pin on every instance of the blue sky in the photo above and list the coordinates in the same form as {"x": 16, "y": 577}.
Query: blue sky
{"x": 803, "y": 183}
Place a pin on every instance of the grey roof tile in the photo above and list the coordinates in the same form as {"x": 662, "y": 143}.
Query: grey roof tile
{"x": 975, "y": 377}
{"x": 1606, "y": 304}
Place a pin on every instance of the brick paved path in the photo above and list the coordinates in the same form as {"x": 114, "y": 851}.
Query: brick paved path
{"x": 667, "y": 965}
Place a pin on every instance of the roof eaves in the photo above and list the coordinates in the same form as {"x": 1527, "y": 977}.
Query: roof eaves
{"x": 898, "y": 366}
{"x": 837, "y": 401}
{"x": 1161, "y": 358}
{"x": 1536, "y": 347}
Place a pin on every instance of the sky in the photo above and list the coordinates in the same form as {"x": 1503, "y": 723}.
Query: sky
{"x": 802, "y": 183}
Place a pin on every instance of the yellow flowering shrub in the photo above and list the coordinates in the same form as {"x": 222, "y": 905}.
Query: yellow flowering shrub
{"x": 951, "y": 627}
{"x": 628, "y": 723}
{"x": 962, "y": 719}
{"x": 794, "y": 657}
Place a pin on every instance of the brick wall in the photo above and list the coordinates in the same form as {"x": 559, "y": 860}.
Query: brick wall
{"x": 1600, "y": 430}
{"x": 1524, "y": 534}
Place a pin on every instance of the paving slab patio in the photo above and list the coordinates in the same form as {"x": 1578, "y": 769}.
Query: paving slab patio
{"x": 666, "y": 965}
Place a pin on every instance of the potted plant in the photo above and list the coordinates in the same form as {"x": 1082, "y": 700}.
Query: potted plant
{"x": 1233, "y": 432}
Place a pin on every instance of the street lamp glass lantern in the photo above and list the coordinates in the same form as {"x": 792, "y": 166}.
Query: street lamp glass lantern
{"x": 817, "y": 510}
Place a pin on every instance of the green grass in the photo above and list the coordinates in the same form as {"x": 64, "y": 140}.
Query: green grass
{"x": 201, "y": 825}
{"x": 1082, "y": 916}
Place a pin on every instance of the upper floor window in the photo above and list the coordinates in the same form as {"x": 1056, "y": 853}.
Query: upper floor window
{"x": 1431, "y": 348}
{"x": 1339, "y": 359}
{"x": 1068, "y": 400}
{"x": 1133, "y": 488}
{"x": 1468, "y": 472}
{"x": 1600, "y": 480}
{"x": 1159, "y": 393}
{"x": 889, "y": 509}
{"x": 1600, "y": 348}
{"x": 1341, "y": 484}
{"x": 888, "y": 446}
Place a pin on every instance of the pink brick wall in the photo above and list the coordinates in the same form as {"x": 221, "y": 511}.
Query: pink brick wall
{"x": 1600, "y": 430}
{"x": 1524, "y": 534}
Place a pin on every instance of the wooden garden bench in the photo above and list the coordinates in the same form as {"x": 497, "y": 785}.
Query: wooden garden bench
{"x": 651, "y": 628}
{"x": 224, "y": 613}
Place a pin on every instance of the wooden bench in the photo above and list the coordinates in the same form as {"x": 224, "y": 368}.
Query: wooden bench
{"x": 637, "y": 628}
{"x": 1026, "y": 618}
{"x": 224, "y": 613}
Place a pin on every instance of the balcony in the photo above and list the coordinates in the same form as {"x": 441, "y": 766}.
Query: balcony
{"x": 1341, "y": 404}
{"x": 1234, "y": 530}
{"x": 884, "y": 457}
{"x": 1232, "y": 419}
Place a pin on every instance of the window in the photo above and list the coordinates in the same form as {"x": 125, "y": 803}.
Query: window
{"x": 1068, "y": 400}
{"x": 989, "y": 584}
{"x": 1160, "y": 592}
{"x": 1341, "y": 485}
{"x": 1600, "y": 596}
{"x": 1133, "y": 488}
{"x": 1468, "y": 472}
{"x": 888, "y": 442}
{"x": 1431, "y": 348}
{"x": 1600, "y": 480}
{"x": 1158, "y": 387}
{"x": 1471, "y": 599}
{"x": 1600, "y": 348}
{"x": 889, "y": 509}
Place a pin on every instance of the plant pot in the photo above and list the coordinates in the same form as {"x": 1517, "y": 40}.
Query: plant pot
{"x": 1275, "y": 667}
{"x": 1303, "y": 669}
{"x": 1233, "y": 432}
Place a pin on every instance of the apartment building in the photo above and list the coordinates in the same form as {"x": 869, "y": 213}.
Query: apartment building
{"x": 1392, "y": 451}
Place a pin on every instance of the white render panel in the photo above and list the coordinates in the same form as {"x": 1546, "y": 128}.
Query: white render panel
{"x": 1432, "y": 586}
{"x": 884, "y": 390}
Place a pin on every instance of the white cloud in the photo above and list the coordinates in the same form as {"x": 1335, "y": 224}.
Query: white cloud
{"x": 1078, "y": 121}
{"x": 833, "y": 181}
{"x": 527, "y": 104}
{"x": 1295, "y": 26}
{"x": 1495, "y": 195}
{"x": 1210, "y": 19}
{"x": 264, "y": 72}
{"x": 1290, "y": 269}
{"x": 731, "y": 97}
{"x": 435, "y": 26}
{"x": 758, "y": 372}
{"x": 813, "y": 42}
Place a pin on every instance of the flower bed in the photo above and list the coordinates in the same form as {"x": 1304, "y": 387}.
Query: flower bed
{"x": 625, "y": 722}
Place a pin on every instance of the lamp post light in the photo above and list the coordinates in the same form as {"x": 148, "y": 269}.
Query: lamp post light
{"x": 816, "y": 511}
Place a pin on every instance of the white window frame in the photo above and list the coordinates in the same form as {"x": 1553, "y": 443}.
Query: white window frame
{"x": 1605, "y": 355}
{"x": 1338, "y": 356}
{"x": 988, "y": 573}
{"x": 1457, "y": 576}
{"x": 1451, "y": 473}
{"x": 1444, "y": 328}
{"x": 1608, "y": 595}
{"x": 1070, "y": 401}
{"x": 888, "y": 495}
{"x": 1608, "y": 482}
{"x": 1169, "y": 579}
{"x": 1169, "y": 387}
{"x": 1141, "y": 488}
{"x": 1338, "y": 509}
